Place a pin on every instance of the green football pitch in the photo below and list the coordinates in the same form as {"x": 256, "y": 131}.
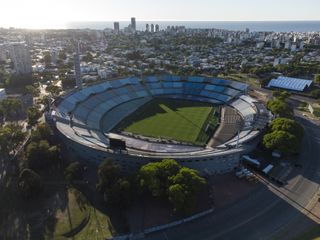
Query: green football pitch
{"x": 184, "y": 121}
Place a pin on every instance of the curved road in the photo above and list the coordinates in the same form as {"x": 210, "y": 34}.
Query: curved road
{"x": 269, "y": 212}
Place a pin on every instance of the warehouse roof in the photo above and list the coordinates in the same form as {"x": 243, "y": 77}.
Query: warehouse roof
{"x": 295, "y": 84}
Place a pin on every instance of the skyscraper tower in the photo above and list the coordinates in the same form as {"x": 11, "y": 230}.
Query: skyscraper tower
{"x": 116, "y": 27}
{"x": 20, "y": 56}
{"x": 133, "y": 24}
{"x": 157, "y": 28}
{"x": 152, "y": 28}
{"x": 147, "y": 27}
{"x": 77, "y": 68}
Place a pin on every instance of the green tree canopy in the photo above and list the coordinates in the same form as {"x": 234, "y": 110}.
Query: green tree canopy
{"x": 279, "y": 108}
{"x": 54, "y": 90}
{"x": 120, "y": 193}
{"x": 155, "y": 177}
{"x": 10, "y": 107}
{"x": 169, "y": 179}
{"x": 11, "y": 135}
{"x": 47, "y": 59}
{"x": 178, "y": 196}
{"x": 33, "y": 115}
{"x": 32, "y": 90}
{"x": 281, "y": 141}
{"x": 29, "y": 183}
{"x": 288, "y": 125}
{"x": 74, "y": 172}
{"x": 41, "y": 155}
{"x": 42, "y": 132}
{"x": 108, "y": 174}
{"x": 62, "y": 55}
{"x": 315, "y": 93}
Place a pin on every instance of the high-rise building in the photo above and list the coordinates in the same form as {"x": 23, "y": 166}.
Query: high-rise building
{"x": 147, "y": 27}
{"x": 157, "y": 28}
{"x": 133, "y": 24}
{"x": 77, "y": 69}
{"x": 152, "y": 28}
{"x": 54, "y": 56}
{"x": 3, "y": 53}
{"x": 20, "y": 56}
{"x": 116, "y": 27}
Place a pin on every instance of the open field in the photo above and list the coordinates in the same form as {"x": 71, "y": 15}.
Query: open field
{"x": 98, "y": 225}
{"x": 180, "y": 120}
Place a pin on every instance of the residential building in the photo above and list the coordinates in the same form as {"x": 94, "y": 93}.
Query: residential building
{"x": 20, "y": 56}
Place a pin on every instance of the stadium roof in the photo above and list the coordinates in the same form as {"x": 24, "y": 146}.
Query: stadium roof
{"x": 295, "y": 84}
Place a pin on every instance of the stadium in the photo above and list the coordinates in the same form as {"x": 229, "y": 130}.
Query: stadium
{"x": 202, "y": 122}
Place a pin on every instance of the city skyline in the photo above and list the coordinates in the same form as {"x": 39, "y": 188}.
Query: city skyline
{"x": 51, "y": 14}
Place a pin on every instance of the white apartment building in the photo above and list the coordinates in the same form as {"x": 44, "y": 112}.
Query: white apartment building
{"x": 20, "y": 56}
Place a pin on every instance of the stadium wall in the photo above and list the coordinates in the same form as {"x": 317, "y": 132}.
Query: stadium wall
{"x": 220, "y": 163}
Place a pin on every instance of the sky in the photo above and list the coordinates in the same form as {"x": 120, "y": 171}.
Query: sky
{"x": 56, "y": 13}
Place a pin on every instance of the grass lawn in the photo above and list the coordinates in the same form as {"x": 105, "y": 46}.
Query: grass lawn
{"x": 98, "y": 227}
{"x": 180, "y": 120}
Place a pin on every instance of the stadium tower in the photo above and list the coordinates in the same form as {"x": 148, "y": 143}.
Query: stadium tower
{"x": 77, "y": 68}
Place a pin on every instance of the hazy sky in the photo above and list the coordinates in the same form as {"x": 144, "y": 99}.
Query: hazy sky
{"x": 50, "y": 13}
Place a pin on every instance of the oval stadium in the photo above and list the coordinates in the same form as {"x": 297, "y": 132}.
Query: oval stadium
{"x": 204, "y": 123}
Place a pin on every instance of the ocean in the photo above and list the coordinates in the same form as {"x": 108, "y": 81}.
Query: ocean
{"x": 275, "y": 26}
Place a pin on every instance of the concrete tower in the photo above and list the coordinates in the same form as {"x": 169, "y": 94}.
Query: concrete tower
{"x": 77, "y": 68}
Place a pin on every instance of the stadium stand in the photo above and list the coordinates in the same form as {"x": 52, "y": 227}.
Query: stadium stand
{"x": 84, "y": 116}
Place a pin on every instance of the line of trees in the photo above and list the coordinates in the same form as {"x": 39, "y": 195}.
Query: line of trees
{"x": 41, "y": 155}
{"x": 166, "y": 180}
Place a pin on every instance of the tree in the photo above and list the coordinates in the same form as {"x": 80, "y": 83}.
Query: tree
{"x": 62, "y": 55}
{"x": 279, "y": 108}
{"x": 287, "y": 125}
{"x": 317, "y": 78}
{"x": 108, "y": 173}
{"x": 33, "y": 116}
{"x": 190, "y": 178}
{"x": 119, "y": 193}
{"x": 178, "y": 197}
{"x": 88, "y": 57}
{"x": 33, "y": 90}
{"x": 54, "y": 90}
{"x": 315, "y": 93}
{"x": 155, "y": 176}
{"x": 11, "y": 135}
{"x": 47, "y": 59}
{"x": 74, "y": 172}
{"x": 10, "y": 107}
{"x": 116, "y": 189}
{"x": 281, "y": 95}
{"x": 41, "y": 155}
{"x": 42, "y": 132}
{"x": 29, "y": 183}
{"x": 281, "y": 141}
{"x": 169, "y": 179}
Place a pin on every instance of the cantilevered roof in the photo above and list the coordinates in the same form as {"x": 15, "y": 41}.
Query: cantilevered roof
{"x": 295, "y": 84}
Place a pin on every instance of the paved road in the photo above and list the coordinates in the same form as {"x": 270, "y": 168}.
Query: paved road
{"x": 268, "y": 213}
